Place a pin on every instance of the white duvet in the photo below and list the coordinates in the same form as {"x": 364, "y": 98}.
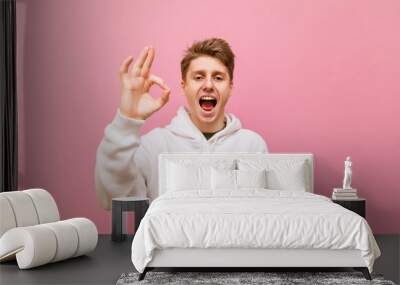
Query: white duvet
{"x": 251, "y": 218}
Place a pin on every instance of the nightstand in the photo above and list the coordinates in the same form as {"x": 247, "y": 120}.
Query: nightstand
{"x": 357, "y": 205}
{"x": 138, "y": 205}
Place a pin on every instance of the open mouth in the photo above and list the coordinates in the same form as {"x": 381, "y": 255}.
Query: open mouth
{"x": 207, "y": 103}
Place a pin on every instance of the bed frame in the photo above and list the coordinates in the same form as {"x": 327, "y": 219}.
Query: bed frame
{"x": 244, "y": 259}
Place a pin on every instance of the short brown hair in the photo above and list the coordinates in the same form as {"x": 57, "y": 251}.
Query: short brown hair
{"x": 213, "y": 47}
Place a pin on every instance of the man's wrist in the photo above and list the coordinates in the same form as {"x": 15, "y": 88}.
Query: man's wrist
{"x": 123, "y": 121}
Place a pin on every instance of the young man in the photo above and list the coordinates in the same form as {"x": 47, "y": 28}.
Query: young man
{"x": 127, "y": 164}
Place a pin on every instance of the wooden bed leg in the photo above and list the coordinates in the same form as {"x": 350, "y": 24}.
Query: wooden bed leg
{"x": 143, "y": 274}
{"x": 364, "y": 271}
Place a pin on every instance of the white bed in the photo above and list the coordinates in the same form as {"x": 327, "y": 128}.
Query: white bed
{"x": 201, "y": 219}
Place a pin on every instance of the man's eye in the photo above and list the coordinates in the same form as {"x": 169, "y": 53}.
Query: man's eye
{"x": 197, "y": 77}
{"x": 219, "y": 78}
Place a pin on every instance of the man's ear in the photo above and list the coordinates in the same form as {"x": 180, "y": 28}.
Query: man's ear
{"x": 183, "y": 84}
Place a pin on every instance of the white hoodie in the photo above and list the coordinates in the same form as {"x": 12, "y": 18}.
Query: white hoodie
{"x": 127, "y": 164}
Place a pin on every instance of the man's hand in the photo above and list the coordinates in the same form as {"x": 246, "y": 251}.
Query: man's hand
{"x": 136, "y": 102}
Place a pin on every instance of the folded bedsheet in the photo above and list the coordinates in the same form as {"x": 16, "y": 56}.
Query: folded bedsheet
{"x": 250, "y": 218}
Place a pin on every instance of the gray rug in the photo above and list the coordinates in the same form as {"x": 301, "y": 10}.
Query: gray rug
{"x": 270, "y": 278}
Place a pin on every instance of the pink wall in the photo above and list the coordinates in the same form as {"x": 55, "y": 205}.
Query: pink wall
{"x": 311, "y": 76}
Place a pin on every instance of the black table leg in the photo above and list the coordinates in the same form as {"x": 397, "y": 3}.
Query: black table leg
{"x": 140, "y": 211}
{"x": 117, "y": 234}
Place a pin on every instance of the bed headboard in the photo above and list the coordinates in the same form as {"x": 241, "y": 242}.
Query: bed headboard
{"x": 210, "y": 158}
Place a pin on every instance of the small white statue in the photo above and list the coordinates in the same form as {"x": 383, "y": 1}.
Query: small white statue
{"x": 347, "y": 174}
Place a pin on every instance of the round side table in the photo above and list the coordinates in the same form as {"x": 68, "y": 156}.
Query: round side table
{"x": 139, "y": 205}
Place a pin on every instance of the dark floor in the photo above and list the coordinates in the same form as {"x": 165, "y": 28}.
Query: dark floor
{"x": 110, "y": 260}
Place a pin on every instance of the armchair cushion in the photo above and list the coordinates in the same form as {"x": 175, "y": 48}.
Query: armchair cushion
{"x": 40, "y": 244}
{"x": 31, "y": 232}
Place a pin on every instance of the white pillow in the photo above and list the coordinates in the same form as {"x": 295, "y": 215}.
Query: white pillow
{"x": 187, "y": 177}
{"x": 289, "y": 179}
{"x": 193, "y": 174}
{"x": 251, "y": 178}
{"x": 223, "y": 179}
{"x": 282, "y": 174}
{"x": 236, "y": 179}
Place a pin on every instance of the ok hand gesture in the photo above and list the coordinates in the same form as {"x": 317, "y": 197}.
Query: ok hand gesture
{"x": 136, "y": 101}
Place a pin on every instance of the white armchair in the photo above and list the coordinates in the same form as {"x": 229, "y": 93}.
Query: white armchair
{"x": 31, "y": 230}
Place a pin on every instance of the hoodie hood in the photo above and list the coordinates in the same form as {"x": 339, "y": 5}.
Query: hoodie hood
{"x": 183, "y": 126}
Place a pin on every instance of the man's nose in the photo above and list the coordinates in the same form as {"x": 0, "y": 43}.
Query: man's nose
{"x": 208, "y": 84}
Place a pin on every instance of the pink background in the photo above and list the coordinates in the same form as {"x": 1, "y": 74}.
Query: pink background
{"x": 311, "y": 76}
